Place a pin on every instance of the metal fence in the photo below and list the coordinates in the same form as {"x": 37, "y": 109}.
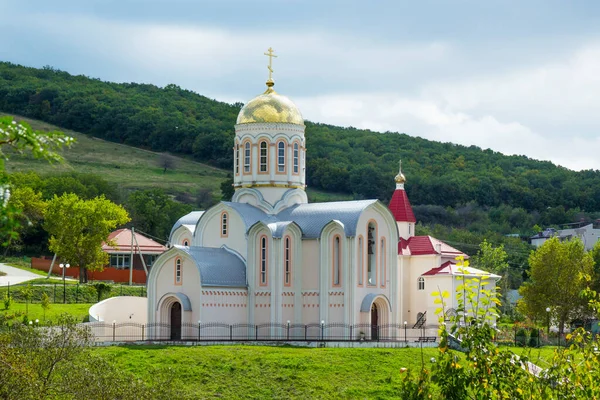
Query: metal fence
{"x": 127, "y": 332}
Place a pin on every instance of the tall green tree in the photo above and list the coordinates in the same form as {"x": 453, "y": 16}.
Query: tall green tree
{"x": 558, "y": 272}
{"x": 21, "y": 138}
{"x": 78, "y": 227}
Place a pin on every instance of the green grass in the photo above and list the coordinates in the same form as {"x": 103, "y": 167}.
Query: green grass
{"x": 260, "y": 372}
{"x": 79, "y": 311}
{"x": 50, "y": 281}
{"x": 23, "y": 263}
{"x": 129, "y": 167}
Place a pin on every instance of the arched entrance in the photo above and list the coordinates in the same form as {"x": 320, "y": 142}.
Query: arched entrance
{"x": 175, "y": 318}
{"x": 374, "y": 322}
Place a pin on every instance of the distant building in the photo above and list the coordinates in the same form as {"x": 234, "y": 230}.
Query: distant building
{"x": 587, "y": 234}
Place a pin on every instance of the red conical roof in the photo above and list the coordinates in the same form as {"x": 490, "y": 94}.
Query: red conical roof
{"x": 400, "y": 207}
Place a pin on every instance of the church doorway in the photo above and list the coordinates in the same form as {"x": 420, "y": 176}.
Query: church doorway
{"x": 176, "y": 321}
{"x": 374, "y": 322}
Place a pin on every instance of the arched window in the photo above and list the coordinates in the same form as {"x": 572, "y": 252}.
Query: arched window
{"x": 264, "y": 157}
{"x": 296, "y": 167}
{"x": 178, "y": 271}
{"x": 421, "y": 283}
{"x": 360, "y": 261}
{"x": 287, "y": 261}
{"x": 186, "y": 243}
{"x": 247, "y": 157}
{"x": 263, "y": 260}
{"x": 224, "y": 224}
{"x": 382, "y": 262}
{"x": 371, "y": 254}
{"x": 281, "y": 157}
{"x": 337, "y": 261}
{"x": 237, "y": 159}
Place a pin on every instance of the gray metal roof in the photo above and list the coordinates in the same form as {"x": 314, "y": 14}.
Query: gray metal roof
{"x": 190, "y": 220}
{"x": 313, "y": 217}
{"x": 217, "y": 266}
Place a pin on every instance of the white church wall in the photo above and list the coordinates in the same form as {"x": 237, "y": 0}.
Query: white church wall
{"x": 417, "y": 299}
{"x": 181, "y": 236}
{"x": 166, "y": 282}
{"x": 224, "y": 305}
{"x": 210, "y": 230}
{"x": 310, "y": 264}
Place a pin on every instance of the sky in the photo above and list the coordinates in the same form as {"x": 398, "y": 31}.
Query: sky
{"x": 519, "y": 77}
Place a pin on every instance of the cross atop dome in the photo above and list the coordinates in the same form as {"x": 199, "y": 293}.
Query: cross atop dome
{"x": 400, "y": 178}
{"x": 270, "y": 54}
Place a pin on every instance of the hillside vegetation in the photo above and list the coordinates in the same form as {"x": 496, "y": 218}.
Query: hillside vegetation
{"x": 459, "y": 194}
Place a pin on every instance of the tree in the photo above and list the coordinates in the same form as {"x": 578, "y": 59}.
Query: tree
{"x": 20, "y": 138}
{"x": 167, "y": 161}
{"x": 45, "y": 304}
{"x": 78, "y": 228}
{"x": 557, "y": 278}
{"x": 227, "y": 190}
{"x": 32, "y": 208}
{"x": 493, "y": 259}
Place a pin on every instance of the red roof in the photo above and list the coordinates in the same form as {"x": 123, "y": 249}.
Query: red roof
{"x": 435, "y": 271}
{"x": 427, "y": 245}
{"x": 121, "y": 239}
{"x": 400, "y": 207}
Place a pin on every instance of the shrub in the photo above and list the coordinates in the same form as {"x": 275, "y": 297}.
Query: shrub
{"x": 534, "y": 338}
{"x": 7, "y": 301}
{"x": 521, "y": 337}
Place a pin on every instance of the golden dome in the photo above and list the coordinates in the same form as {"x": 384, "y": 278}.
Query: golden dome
{"x": 270, "y": 107}
{"x": 400, "y": 178}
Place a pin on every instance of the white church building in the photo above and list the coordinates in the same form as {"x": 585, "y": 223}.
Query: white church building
{"x": 270, "y": 257}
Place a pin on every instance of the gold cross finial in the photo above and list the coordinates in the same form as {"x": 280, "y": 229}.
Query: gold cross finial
{"x": 270, "y": 67}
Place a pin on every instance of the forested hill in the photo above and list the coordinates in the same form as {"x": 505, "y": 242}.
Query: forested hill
{"x": 344, "y": 160}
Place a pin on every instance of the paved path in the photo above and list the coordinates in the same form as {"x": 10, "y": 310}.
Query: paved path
{"x": 15, "y": 275}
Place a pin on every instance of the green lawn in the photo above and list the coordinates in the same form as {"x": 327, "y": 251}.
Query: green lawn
{"x": 260, "y": 372}
{"x": 79, "y": 311}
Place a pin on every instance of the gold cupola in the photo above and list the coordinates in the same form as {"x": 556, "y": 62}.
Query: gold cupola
{"x": 270, "y": 107}
{"x": 400, "y": 179}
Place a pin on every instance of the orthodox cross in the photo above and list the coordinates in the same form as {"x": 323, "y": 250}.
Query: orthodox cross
{"x": 270, "y": 67}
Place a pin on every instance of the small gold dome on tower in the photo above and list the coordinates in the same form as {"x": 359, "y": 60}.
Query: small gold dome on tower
{"x": 270, "y": 107}
{"x": 400, "y": 178}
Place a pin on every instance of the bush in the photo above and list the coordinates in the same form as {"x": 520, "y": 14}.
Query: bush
{"x": 534, "y": 338}
{"x": 521, "y": 337}
{"x": 7, "y": 301}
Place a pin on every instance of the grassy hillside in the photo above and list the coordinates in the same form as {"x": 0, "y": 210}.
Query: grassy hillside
{"x": 129, "y": 167}
{"x": 257, "y": 372}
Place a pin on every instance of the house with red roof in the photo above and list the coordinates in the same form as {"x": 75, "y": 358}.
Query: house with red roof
{"x": 426, "y": 265}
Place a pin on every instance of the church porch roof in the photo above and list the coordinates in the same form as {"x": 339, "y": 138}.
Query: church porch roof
{"x": 218, "y": 266}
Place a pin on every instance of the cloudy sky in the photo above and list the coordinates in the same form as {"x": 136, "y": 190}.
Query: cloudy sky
{"x": 520, "y": 77}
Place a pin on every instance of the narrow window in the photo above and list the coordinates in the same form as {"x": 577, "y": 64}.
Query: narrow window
{"x": 264, "y": 153}
{"x": 237, "y": 159}
{"x": 287, "y": 262}
{"x": 186, "y": 243}
{"x": 408, "y": 229}
{"x": 263, "y": 260}
{"x": 337, "y": 264}
{"x": 421, "y": 283}
{"x": 224, "y": 224}
{"x": 178, "y": 271}
{"x": 247, "y": 157}
{"x": 372, "y": 254}
{"x": 281, "y": 157}
{"x": 360, "y": 261}
{"x": 296, "y": 158}
{"x": 382, "y": 261}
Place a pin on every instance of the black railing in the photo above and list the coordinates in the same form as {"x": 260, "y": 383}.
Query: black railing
{"x": 214, "y": 331}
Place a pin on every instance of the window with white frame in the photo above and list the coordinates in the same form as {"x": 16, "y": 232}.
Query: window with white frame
{"x": 296, "y": 168}
{"x": 281, "y": 157}
{"x": 247, "y": 157}
{"x": 371, "y": 254}
{"x": 120, "y": 260}
{"x": 287, "y": 261}
{"x": 360, "y": 261}
{"x": 264, "y": 156}
{"x": 237, "y": 159}
{"x": 149, "y": 259}
{"x": 224, "y": 224}
{"x": 178, "y": 271}
{"x": 337, "y": 262}
{"x": 263, "y": 260}
{"x": 421, "y": 283}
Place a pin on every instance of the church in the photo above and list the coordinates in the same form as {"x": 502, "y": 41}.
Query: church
{"x": 269, "y": 256}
